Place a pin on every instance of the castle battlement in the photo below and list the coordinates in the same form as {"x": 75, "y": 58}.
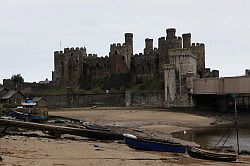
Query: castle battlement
{"x": 92, "y": 56}
{"x": 76, "y": 50}
{"x": 198, "y": 45}
{"x": 58, "y": 53}
{"x": 169, "y": 67}
{"x": 182, "y": 53}
{"x": 115, "y": 47}
{"x": 190, "y": 74}
{"x": 140, "y": 55}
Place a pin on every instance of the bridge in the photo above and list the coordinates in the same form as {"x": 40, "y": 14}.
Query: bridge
{"x": 217, "y": 92}
{"x": 221, "y": 86}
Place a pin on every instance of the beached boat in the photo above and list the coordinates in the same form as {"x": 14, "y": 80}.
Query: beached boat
{"x": 210, "y": 155}
{"x": 214, "y": 155}
{"x": 153, "y": 145}
{"x": 29, "y": 112}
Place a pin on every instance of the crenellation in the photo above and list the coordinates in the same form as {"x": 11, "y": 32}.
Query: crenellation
{"x": 56, "y": 53}
{"x": 66, "y": 50}
{"x": 177, "y": 43}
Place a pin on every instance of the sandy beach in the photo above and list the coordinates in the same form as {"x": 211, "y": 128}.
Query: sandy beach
{"x": 20, "y": 150}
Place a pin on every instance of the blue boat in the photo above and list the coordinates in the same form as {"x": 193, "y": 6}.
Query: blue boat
{"x": 29, "y": 112}
{"x": 153, "y": 145}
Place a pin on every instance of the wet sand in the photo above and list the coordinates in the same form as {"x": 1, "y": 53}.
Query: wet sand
{"x": 19, "y": 150}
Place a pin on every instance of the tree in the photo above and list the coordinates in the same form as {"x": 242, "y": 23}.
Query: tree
{"x": 17, "y": 79}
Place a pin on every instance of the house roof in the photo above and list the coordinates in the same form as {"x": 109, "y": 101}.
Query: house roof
{"x": 36, "y": 99}
{"x": 2, "y": 88}
{"x": 9, "y": 94}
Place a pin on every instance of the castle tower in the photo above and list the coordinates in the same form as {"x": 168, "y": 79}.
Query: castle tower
{"x": 58, "y": 65}
{"x": 198, "y": 50}
{"x": 170, "y": 33}
{"x": 170, "y": 83}
{"x": 148, "y": 46}
{"x": 128, "y": 48}
{"x": 162, "y": 49}
{"x": 186, "y": 40}
{"x": 68, "y": 66}
{"x": 129, "y": 38}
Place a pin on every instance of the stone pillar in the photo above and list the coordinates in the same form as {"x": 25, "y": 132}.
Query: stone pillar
{"x": 1, "y": 109}
{"x": 190, "y": 87}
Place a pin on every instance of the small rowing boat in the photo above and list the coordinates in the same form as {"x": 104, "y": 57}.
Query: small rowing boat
{"x": 153, "y": 145}
{"x": 210, "y": 155}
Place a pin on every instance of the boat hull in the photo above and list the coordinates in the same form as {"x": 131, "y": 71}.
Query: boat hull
{"x": 209, "y": 155}
{"x": 141, "y": 144}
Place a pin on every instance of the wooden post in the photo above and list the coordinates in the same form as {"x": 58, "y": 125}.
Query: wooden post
{"x": 236, "y": 123}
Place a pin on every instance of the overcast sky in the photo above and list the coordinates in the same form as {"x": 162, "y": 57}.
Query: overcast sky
{"x": 31, "y": 30}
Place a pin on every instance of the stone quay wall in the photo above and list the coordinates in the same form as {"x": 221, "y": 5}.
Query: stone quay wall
{"x": 128, "y": 99}
{"x": 86, "y": 100}
{"x": 145, "y": 99}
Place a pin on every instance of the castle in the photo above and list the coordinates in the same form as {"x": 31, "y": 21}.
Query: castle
{"x": 73, "y": 66}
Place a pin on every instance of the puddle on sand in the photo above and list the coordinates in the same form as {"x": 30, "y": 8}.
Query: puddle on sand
{"x": 209, "y": 136}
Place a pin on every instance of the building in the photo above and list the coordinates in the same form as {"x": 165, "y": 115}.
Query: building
{"x": 72, "y": 67}
{"x": 12, "y": 97}
{"x": 40, "y": 102}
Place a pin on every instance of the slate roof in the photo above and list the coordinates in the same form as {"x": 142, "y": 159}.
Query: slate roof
{"x": 2, "y": 88}
{"x": 36, "y": 99}
{"x": 9, "y": 94}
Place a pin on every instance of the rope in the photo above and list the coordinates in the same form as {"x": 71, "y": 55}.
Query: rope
{"x": 225, "y": 135}
{"x": 227, "y": 138}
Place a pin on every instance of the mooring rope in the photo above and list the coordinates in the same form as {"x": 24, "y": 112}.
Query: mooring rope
{"x": 228, "y": 131}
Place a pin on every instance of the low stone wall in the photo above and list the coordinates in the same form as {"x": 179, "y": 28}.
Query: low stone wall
{"x": 85, "y": 100}
{"x": 145, "y": 99}
{"x": 183, "y": 100}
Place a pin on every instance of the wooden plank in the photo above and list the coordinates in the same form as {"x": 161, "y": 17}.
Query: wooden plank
{"x": 102, "y": 135}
